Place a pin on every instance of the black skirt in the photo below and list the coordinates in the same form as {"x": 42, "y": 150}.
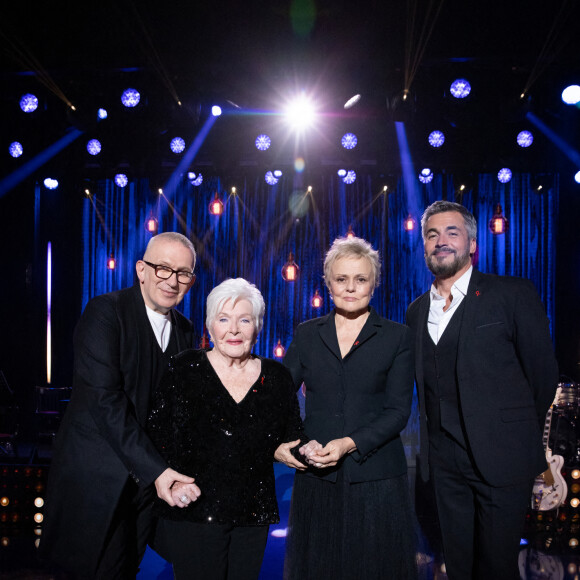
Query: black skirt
{"x": 350, "y": 531}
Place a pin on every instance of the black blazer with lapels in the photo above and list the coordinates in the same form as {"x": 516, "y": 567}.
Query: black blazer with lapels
{"x": 506, "y": 372}
{"x": 366, "y": 395}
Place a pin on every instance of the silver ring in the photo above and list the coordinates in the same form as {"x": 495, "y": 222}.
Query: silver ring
{"x": 183, "y": 498}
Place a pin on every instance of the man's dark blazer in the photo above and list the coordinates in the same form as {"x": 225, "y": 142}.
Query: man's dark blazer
{"x": 366, "y": 396}
{"x": 102, "y": 442}
{"x": 506, "y": 372}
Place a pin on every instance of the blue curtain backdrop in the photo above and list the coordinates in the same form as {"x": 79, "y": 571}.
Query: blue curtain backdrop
{"x": 262, "y": 224}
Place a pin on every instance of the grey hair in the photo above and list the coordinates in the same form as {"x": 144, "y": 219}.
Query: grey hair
{"x": 352, "y": 248}
{"x": 171, "y": 237}
{"x": 442, "y": 206}
{"x": 235, "y": 289}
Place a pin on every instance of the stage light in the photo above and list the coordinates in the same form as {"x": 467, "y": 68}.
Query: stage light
{"x": 577, "y": 177}
{"x": 436, "y": 138}
{"x": 571, "y": 95}
{"x": 525, "y": 139}
{"x": 270, "y": 178}
{"x": 350, "y": 177}
{"x": 504, "y": 175}
{"x": 279, "y": 350}
{"x": 460, "y": 88}
{"x": 216, "y": 111}
{"x": 300, "y": 113}
{"x": 177, "y": 145}
{"x": 111, "y": 263}
{"x": 29, "y": 103}
{"x": 498, "y": 224}
{"x": 316, "y": 300}
{"x": 341, "y": 172}
{"x": 573, "y": 542}
{"x": 198, "y": 180}
{"x": 352, "y": 101}
{"x": 130, "y": 98}
{"x": 190, "y": 175}
{"x": 38, "y": 502}
{"x": 409, "y": 224}
{"x": 102, "y": 114}
{"x": 121, "y": 180}
{"x": 426, "y": 175}
{"x": 263, "y": 142}
{"x": 575, "y": 474}
{"x": 349, "y": 141}
{"x": 574, "y": 502}
{"x": 216, "y": 207}
{"x": 50, "y": 183}
{"x": 290, "y": 270}
{"x": 15, "y": 149}
{"x": 4, "y": 501}
{"x": 151, "y": 224}
{"x": 94, "y": 147}
{"x": 350, "y": 232}
{"x": 38, "y": 517}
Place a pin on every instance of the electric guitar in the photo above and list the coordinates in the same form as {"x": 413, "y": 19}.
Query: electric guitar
{"x": 550, "y": 489}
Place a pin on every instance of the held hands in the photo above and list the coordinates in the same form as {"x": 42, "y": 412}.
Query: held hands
{"x": 176, "y": 489}
{"x": 330, "y": 454}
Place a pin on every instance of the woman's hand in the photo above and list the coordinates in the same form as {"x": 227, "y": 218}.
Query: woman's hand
{"x": 331, "y": 453}
{"x": 283, "y": 455}
{"x": 184, "y": 493}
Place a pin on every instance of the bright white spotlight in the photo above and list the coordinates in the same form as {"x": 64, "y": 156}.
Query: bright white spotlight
{"x": 577, "y": 177}
{"x": 50, "y": 183}
{"x": 352, "y": 101}
{"x": 300, "y": 113}
{"x": 504, "y": 175}
{"x": 216, "y": 111}
{"x": 571, "y": 95}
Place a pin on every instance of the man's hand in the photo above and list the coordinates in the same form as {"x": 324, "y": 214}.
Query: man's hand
{"x": 165, "y": 482}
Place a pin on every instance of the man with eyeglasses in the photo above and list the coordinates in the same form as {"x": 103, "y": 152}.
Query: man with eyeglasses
{"x": 105, "y": 469}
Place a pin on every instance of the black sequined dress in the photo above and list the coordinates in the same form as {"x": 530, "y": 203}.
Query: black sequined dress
{"x": 228, "y": 447}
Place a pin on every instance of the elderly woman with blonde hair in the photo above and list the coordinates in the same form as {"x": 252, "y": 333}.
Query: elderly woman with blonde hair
{"x": 221, "y": 416}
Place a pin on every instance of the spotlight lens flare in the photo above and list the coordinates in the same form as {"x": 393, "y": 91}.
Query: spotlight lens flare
{"x": 270, "y": 178}
{"x": 263, "y": 142}
{"x": 436, "y": 139}
{"x": 216, "y": 111}
{"x": 350, "y": 177}
{"x": 94, "y": 147}
{"x": 571, "y": 95}
{"x": 349, "y": 141}
{"x": 177, "y": 145}
{"x": 300, "y": 114}
{"x": 29, "y": 103}
{"x": 50, "y": 183}
{"x": 102, "y": 114}
{"x": 299, "y": 165}
{"x": 121, "y": 180}
{"x": 130, "y": 98}
{"x": 525, "y": 138}
{"x": 504, "y": 175}
{"x": 15, "y": 149}
{"x": 460, "y": 88}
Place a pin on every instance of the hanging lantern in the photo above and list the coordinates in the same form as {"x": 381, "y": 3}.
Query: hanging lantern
{"x": 290, "y": 270}
{"x": 151, "y": 224}
{"x": 204, "y": 342}
{"x": 409, "y": 224}
{"x": 279, "y": 350}
{"x": 216, "y": 207}
{"x": 111, "y": 263}
{"x": 350, "y": 233}
{"x": 498, "y": 224}
{"x": 316, "y": 300}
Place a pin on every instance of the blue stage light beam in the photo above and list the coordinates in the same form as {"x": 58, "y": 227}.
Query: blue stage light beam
{"x": 31, "y": 166}
{"x": 409, "y": 177}
{"x": 560, "y": 143}
{"x": 188, "y": 157}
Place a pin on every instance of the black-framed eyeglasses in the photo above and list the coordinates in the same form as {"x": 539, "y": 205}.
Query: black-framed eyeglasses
{"x": 165, "y": 272}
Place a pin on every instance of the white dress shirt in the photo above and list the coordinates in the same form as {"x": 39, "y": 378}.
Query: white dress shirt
{"x": 161, "y": 324}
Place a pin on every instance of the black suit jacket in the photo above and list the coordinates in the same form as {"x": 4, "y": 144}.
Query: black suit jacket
{"x": 507, "y": 376}
{"x": 102, "y": 441}
{"x": 366, "y": 396}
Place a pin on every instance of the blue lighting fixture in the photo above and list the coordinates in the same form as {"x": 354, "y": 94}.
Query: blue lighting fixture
{"x": 341, "y": 172}
{"x": 426, "y": 175}
{"x": 50, "y": 183}
{"x": 197, "y": 181}
{"x": 349, "y": 141}
{"x": 525, "y": 138}
{"x": 102, "y": 114}
{"x": 504, "y": 175}
{"x": 571, "y": 95}
{"x": 94, "y": 147}
{"x": 263, "y": 142}
{"x": 436, "y": 139}
{"x": 121, "y": 180}
{"x": 460, "y": 88}
{"x": 270, "y": 178}
{"x": 177, "y": 145}
{"x": 277, "y": 173}
{"x": 350, "y": 177}
{"x": 15, "y": 149}
{"x": 216, "y": 111}
{"x": 130, "y": 98}
{"x": 29, "y": 103}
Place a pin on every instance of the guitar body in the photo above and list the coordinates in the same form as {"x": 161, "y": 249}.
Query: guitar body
{"x": 550, "y": 496}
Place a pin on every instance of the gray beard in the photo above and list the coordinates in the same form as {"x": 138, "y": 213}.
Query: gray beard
{"x": 447, "y": 270}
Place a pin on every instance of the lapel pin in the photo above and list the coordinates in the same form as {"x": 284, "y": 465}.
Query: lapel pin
{"x": 477, "y": 292}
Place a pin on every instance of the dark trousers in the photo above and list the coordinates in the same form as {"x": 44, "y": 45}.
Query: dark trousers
{"x": 128, "y": 535}
{"x": 212, "y": 551}
{"x": 480, "y": 525}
